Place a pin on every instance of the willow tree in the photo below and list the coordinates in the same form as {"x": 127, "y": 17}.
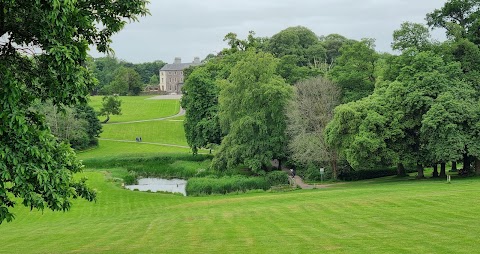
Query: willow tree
{"x": 43, "y": 50}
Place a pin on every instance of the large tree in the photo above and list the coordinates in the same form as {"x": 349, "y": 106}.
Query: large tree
{"x": 126, "y": 81}
{"x": 309, "y": 111}
{"x": 252, "y": 114}
{"x": 200, "y": 101}
{"x": 459, "y": 18}
{"x": 354, "y": 70}
{"x": 43, "y": 50}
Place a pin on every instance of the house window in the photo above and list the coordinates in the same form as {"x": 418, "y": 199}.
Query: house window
{"x": 162, "y": 80}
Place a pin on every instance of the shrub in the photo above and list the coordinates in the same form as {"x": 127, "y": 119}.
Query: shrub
{"x": 366, "y": 174}
{"x": 276, "y": 178}
{"x": 130, "y": 179}
{"x": 223, "y": 185}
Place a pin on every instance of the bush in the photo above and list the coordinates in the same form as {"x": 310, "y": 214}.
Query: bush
{"x": 366, "y": 174}
{"x": 276, "y": 178}
{"x": 224, "y": 185}
{"x": 130, "y": 179}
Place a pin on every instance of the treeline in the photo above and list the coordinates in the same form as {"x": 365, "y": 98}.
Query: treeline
{"x": 321, "y": 101}
{"x": 120, "y": 77}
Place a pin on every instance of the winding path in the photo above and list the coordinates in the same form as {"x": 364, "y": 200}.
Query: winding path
{"x": 161, "y": 97}
{"x": 181, "y": 113}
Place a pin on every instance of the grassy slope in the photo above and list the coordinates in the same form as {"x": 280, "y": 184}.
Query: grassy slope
{"x": 139, "y": 108}
{"x": 166, "y": 132}
{"x": 112, "y": 149}
{"x": 363, "y": 217}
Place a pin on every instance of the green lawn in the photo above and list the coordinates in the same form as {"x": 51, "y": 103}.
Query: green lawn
{"x": 112, "y": 149}
{"x": 388, "y": 215}
{"x": 165, "y": 132}
{"x": 363, "y": 217}
{"x": 139, "y": 108}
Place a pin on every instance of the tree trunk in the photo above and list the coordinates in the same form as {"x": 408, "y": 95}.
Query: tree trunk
{"x": 334, "y": 169}
{"x": 420, "y": 171}
{"x": 477, "y": 166}
{"x": 443, "y": 170}
{"x": 454, "y": 166}
{"x": 106, "y": 120}
{"x": 279, "y": 164}
{"x": 435, "y": 171}
{"x": 401, "y": 170}
{"x": 466, "y": 165}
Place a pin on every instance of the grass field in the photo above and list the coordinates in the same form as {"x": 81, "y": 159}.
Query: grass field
{"x": 387, "y": 215}
{"x": 364, "y": 217}
{"x": 166, "y": 132}
{"x": 139, "y": 108}
{"x": 112, "y": 149}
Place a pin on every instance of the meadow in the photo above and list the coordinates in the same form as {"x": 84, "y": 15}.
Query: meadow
{"x": 139, "y": 108}
{"x": 385, "y": 215}
{"x": 380, "y": 216}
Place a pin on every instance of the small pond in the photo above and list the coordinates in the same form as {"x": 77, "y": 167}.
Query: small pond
{"x": 159, "y": 184}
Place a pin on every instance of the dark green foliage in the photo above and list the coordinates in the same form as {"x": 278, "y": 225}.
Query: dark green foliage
{"x": 301, "y": 53}
{"x": 93, "y": 128}
{"x": 354, "y": 70}
{"x": 252, "y": 114}
{"x": 148, "y": 70}
{"x": 200, "y": 100}
{"x": 459, "y": 17}
{"x": 224, "y": 185}
{"x": 121, "y": 77}
{"x": 356, "y": 175}
{"x": 276, "y": 178}
{"x": 182, "y": 166}
{"x": 126, "y": 81}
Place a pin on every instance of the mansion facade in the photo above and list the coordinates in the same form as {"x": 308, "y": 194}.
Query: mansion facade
{"x": 171, "y": 75}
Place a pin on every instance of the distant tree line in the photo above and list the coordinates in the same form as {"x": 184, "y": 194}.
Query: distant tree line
{"x": 329, "y": 101}
{"x": 123, "y": 78}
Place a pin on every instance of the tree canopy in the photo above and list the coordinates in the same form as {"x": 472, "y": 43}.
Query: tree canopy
{"x": 252, "y": 114}
{"x": 43, "y": 54}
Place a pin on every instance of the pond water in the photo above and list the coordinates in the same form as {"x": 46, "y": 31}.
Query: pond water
{"x": 159, "y": 184}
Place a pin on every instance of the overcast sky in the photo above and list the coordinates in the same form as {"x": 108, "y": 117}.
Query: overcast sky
{"x": 189, "y": 28}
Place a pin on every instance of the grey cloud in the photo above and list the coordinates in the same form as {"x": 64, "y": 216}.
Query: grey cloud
{"x": 189, "y": 28}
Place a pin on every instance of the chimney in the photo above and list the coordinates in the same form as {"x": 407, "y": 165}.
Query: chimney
{"x": 196, "y": 60}
{"x": 178, "y": 60}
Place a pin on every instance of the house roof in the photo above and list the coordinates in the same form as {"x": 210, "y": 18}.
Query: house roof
{"x": 177, "y": 66}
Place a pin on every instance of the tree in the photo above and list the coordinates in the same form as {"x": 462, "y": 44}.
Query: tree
{"x": 93, "y": 128}
{"x": 308, "y": 113}
{"x": 148, "y": 70}
{"x": 104, "y": 69}
{"x": 111, "y": 105}
{"x": 65, "y": 125}
{"x": 34, "y": 167}
{"x": 200, "y": 101}
{"x": 354, "y": 70}
{"x": 459, "y": 17}
{"x": 411, "y": 35}
{"x": 293, "y": 41}
{"x": 126, "y": 81}
{"x": 154, "y": 80}
{"x": 332, "y": 44}
{"x": 252, "y": 114}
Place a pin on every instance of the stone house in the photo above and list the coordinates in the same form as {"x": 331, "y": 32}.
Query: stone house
{"x": 171, "y": 75}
